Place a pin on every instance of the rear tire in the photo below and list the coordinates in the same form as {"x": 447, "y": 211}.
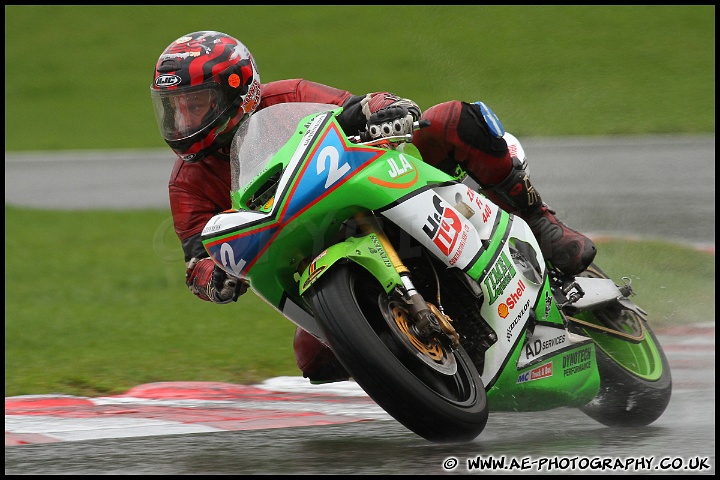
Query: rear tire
{"x": 635, "y": 380}
{"x": 439, "y": 407}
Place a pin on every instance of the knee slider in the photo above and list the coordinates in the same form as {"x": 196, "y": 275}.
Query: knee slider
{"x": 492, "y": 121}
{"x": 480, "y": 128}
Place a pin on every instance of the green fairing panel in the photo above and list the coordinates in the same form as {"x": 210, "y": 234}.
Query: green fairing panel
{"x": 637, "y": 358}
{"x": 567, "y": 379}
{"x": 365, "y": 251}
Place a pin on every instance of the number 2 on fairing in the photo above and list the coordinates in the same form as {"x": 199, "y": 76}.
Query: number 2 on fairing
{"x": 228, "y": 258}
{"x": 336, "y": 171}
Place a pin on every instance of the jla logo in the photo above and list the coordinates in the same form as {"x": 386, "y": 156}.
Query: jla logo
{"x": 399, "y": 167}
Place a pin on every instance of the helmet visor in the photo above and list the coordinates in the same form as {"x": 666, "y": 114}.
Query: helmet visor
{"x": 181, "y": 114}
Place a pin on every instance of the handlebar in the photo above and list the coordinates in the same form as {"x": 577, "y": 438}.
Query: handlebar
{"x": 362, "y": 139}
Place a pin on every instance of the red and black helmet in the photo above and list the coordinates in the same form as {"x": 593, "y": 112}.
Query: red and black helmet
{"x": 206, "y": 85}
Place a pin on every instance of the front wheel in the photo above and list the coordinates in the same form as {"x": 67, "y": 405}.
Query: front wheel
{"x": 441, "y": 403}
{"x": 635, "y": 380}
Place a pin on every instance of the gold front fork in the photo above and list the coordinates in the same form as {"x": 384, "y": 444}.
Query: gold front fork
{"x": 428, "y": 320}
{"x": 369, "y": 224}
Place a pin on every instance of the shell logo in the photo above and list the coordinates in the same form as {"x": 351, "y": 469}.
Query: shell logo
{"x": 503, "y": 310}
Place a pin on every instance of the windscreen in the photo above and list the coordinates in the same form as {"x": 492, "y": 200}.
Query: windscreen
{"x": 266, "y": 132}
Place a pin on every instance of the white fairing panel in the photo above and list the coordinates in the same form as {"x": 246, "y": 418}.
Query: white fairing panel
{"x": 449, "y": 221}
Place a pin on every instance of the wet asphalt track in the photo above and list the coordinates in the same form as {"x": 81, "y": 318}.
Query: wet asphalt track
{"x": 685, "y": 434}
{"x": 650, "y": 187}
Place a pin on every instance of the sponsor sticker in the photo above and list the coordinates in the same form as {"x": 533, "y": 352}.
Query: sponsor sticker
{"x": 543, "y": 371}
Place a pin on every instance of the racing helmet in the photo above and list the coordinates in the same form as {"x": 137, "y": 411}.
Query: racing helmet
{"x": 206, "y": 85}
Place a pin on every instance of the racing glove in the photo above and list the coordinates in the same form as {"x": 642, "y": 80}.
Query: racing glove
{"x": 210, "y": 283}
{"x": 389, "y": 115}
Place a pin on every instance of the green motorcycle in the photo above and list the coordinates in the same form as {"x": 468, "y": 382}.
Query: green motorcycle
{"x": 437, "y": 302}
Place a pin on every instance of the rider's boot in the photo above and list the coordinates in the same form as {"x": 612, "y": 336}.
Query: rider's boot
{"x": 568, "y": 250}
{"x": 315, "y": 359}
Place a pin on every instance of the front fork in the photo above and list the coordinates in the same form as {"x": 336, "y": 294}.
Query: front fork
{"x": 428, "y": 321}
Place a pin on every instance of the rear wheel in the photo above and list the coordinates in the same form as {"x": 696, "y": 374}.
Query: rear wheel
{"x": 431, "y": 389}
{"x": 635, "y": 380}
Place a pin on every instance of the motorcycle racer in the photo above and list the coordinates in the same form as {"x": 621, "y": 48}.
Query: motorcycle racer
{"x": 206, "y": 84}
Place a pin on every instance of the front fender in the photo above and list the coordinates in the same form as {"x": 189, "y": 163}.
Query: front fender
{"x": 366, "y": 251}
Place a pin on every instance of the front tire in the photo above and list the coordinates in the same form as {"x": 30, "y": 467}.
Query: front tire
{"x": 440, "y": 407}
